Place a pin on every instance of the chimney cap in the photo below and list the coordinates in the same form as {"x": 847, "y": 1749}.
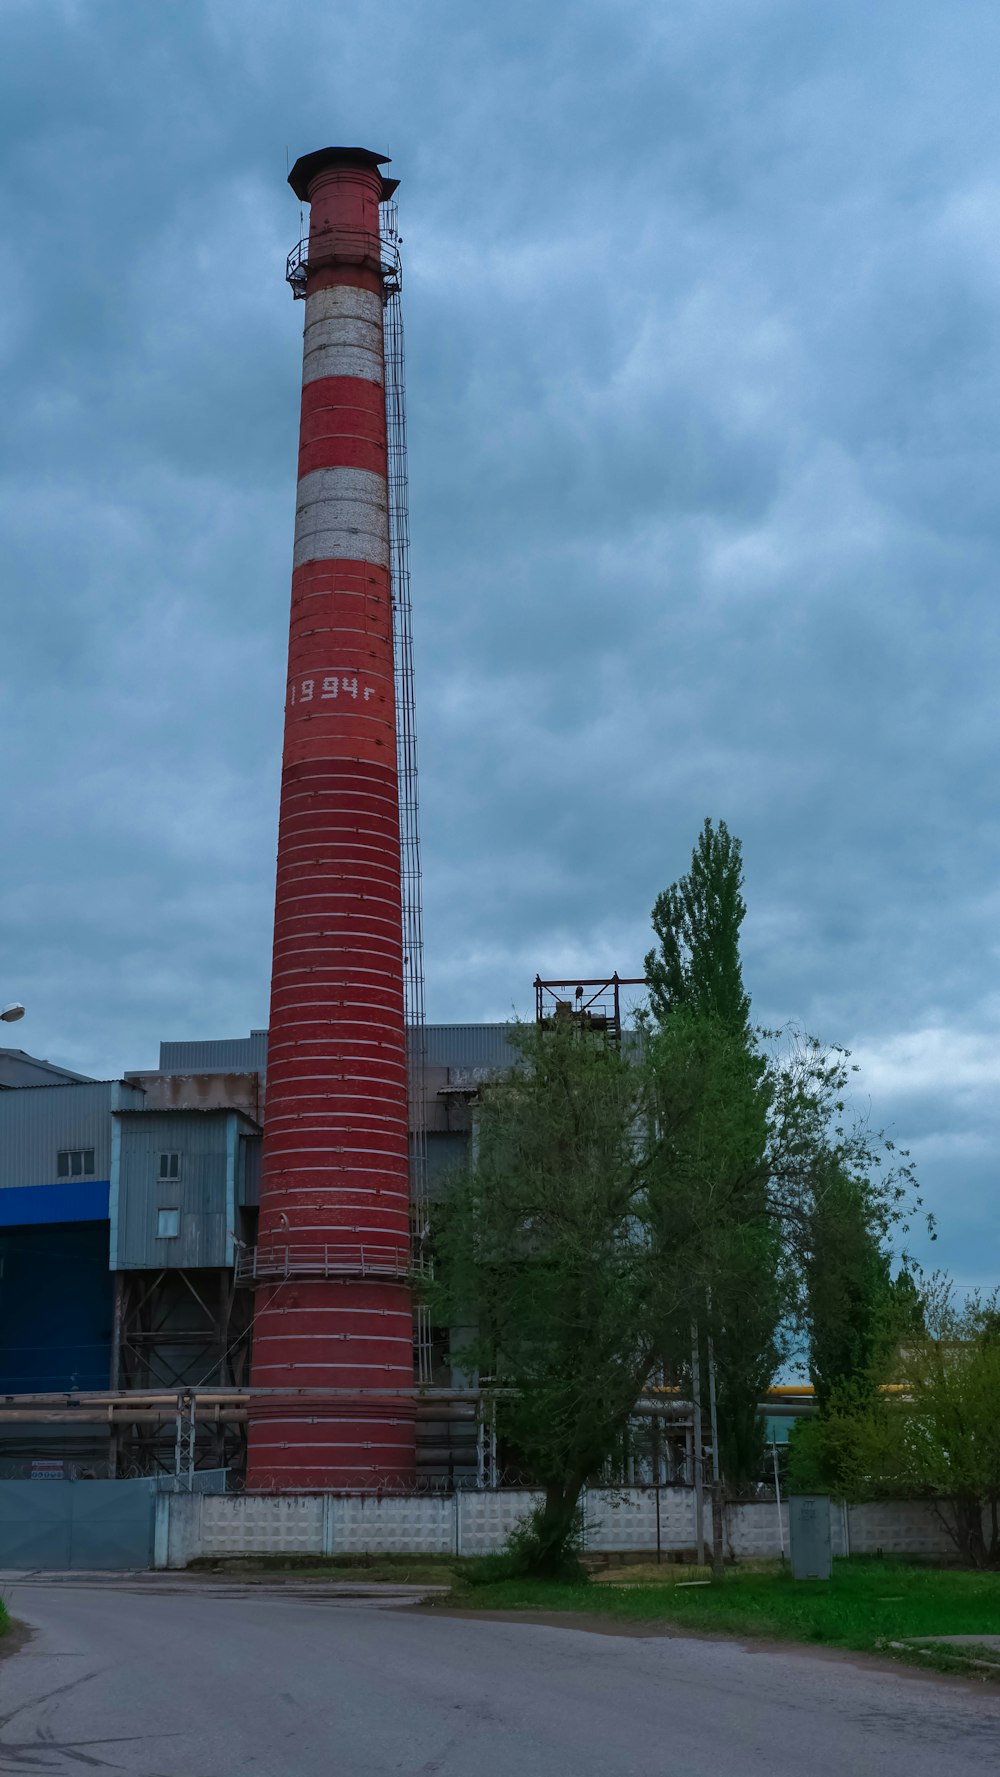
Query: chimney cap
{"x": 308, "y": 165}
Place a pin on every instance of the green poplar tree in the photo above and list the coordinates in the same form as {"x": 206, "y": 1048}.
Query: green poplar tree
{"x": 716, "y": 1168}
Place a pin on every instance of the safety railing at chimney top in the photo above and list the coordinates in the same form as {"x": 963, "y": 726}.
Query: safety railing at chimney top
{"x": 345, "y": 246}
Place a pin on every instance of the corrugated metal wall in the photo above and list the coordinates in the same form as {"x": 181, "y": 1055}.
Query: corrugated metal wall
{"x": 445, "y": 1154}
{"x": 18, "y": 1068}
{"x": 199, "y": 1193}
{"x": 469, "y": 1045}
{"x": 448, "y": 1045}
{"x": 248, "y": 1171}
{"x": 36, "y": 1121}
{"x": 227, "y": 1055}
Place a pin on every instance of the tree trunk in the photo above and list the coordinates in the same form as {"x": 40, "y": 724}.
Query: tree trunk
{"x": 718, "y": 1557}
{"x": 553, "y": 1527}
{"x": 969, "y": 1531}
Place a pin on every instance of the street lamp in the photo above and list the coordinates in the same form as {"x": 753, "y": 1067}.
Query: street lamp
{"x": 11, "y": 1014}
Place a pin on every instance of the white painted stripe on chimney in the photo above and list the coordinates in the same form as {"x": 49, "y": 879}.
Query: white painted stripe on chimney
{"x": 342, "y": 514}
{"x": 343, "y": 335}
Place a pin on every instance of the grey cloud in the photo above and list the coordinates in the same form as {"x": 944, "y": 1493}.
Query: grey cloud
{"x": 700, "y": 310}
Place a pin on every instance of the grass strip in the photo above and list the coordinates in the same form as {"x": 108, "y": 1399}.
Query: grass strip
{"x": 865, "y": 1606}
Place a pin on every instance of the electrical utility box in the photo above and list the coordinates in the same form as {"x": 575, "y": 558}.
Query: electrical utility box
{"x": 809, "y": 1534}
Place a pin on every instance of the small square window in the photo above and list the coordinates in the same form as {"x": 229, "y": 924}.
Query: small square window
{"x": 170, "y": 1166}
{"x": 168, "y": 1224}
{"x": 63, "y": 1165}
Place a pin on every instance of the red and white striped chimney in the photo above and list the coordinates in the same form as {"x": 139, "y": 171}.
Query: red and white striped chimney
{"x": 333, "y": 1310}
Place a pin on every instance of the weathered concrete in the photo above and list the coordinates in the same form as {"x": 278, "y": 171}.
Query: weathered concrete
{"x": 172, "y": 1678}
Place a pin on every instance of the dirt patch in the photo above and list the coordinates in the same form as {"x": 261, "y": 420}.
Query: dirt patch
{"x": 17, "y": 1636}
{"x": 592, "y": 1623}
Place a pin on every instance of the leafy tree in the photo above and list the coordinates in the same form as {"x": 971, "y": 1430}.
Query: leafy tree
{"x": 934, "y": 1433}
{"x": 848, "y": 1287}
{"x": 612, "y": 1196}
{"x": 544, "y": 1231}
{"x": 697, "y": 922}
{"x": 718, "y": 1163}
{"x": 855, "y": 1317}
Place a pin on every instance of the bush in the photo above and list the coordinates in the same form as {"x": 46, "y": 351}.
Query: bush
{"x": 489, "y": 1570}
{"x": 529, "y": 1554}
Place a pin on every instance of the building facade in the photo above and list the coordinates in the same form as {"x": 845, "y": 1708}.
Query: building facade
{"x": 128, "y": 1225}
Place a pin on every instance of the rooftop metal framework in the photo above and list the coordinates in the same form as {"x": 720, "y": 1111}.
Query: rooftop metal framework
{"x": 592, "y": 1004}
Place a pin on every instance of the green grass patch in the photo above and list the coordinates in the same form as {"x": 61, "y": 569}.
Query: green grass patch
{"x": 4, "y": 1618}
{"x": 865, "y": 1606}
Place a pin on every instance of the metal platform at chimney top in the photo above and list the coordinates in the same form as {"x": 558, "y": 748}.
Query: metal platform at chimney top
{"x": 346, "y": 246}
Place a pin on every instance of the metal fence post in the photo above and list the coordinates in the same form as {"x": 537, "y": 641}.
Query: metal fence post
{"x": 698, "y": 1451}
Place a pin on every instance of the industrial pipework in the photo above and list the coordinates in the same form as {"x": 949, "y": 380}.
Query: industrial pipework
{"x": 333, "y": 1263}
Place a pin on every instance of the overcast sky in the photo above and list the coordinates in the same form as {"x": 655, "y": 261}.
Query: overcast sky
{"x": 701, "y": 303}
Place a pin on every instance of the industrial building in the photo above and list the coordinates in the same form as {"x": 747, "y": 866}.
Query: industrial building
{"x": 128, "y": 1224}
{"x": 128, "y": 1252}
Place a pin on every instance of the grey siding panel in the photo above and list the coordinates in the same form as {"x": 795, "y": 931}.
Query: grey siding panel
{"x": 445, "y": 1154}
{"x": 448, "y": 1045}
{"x": 229, "y": 1055}
{"x": 36, "y": 1121}
{"x": 199, "y": 1193}
{"x": 18, "y": 1068}
{"x": 248, "y": 1173}
{"x": 470, "y": 1045}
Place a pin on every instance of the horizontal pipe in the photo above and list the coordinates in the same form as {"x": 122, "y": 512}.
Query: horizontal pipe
{"x": 87, "y": 1397}
{"x": 128, "y": 1416}
{"x": 656, "y": 1401}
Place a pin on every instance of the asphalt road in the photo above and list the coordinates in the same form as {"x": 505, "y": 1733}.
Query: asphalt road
{"x": 180, "y": 1679}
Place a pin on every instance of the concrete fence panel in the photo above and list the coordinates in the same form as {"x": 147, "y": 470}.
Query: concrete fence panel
{"x": 478, "y": 1523}
{"x": 897, "y": 1527}
{"x": 622, "y": 1518}
{"x": 411, "y": 1525}
{"x": 485, "y": 1520}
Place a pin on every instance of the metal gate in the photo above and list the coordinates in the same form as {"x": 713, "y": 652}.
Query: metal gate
{"x": 55, "y": 1525}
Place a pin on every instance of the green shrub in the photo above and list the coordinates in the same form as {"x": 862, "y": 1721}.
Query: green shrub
{"x": 530, "y": 1553}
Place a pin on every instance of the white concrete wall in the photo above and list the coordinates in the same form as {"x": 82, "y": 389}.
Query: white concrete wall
{"x": 897, "y": 1527}
{"x": 625, "y": 1518}
{"x": 485, "y": 1520}
{"x": 406, "y": 1525}
{"x": 243, "y": 1524}
{"x": 476, "y": 1523}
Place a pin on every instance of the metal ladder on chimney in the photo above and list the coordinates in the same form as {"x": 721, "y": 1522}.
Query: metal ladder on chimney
{"x": 406, "y": 755}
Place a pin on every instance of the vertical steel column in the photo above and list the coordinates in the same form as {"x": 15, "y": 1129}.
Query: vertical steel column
{"x": 335, "y": 1162}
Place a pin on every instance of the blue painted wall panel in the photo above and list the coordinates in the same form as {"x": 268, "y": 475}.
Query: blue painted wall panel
{"x": 78, "y": 1200}
{"x": 56, "y": 1307}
